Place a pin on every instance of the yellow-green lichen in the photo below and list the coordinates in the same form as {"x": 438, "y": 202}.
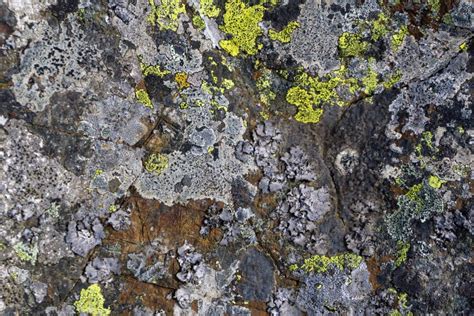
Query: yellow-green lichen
{"x": 143, "y": 97}
{"x": 413, "y": 192}
{"x": 198, "y": 22}
{"x": 26, "y": 253}
{"x": 351, "y": 45}
{"x": 435, "y": 182}
{"x": 264, "y": 86}
{"x": 113, "y": 208}
{"x": 370, "y": 81}
{"x": 166, "y": 14}
{"x": 392, "y": 80}
{"x": 395, "y": 313}
{"x": 310, "y": 93}
{"x": 284, "y": 36}
{"x": 321, "y": 264}
{"x": 92, "y": 302}
{"x": 435, "y": 6}
{"x": 427, "y": 138}
{"x": 208, "y": 8}
{"x": 463, "y": 47}
{"x": 379, "y": 27}
{"x": 241, "y": 24}
{"x": 304, "y": 101}
{"x": 403, "y": 300}
{"x": 293, "y": 267}
{"x": 402, "y": 252}
{"x": 152, "y": 69}
{"x": 398, "y": 37}
{"x": 156, "y": 163}
{"x": 227, "y": 84}
{"x": 181, "y": 79}
{"x": 98, "y": 172}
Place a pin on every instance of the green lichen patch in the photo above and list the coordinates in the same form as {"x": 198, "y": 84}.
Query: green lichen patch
{"x": 309, "y": 93}
{"x": 392, "y": 80}
{"x": 284, "y": 36}
{"x": 420, "y": 202}
{"x": 351, "y": 45}
{"x": 264, "y": 86}
{"x": 91, "y": 302}
{"x": 142, "y": 96}
{"x": 379, "y": 27}
{"x": 435, "y": 182}
{"x": 166, "y": 14}
{"x": 156, "y": 163}
{"x": 208, "y": 8}
{"x": 398, "y": 37}
{"x": 26, "y": 253}
{"x": 198, "y": 22}
{"x": 402, "y": 252}
{"x": 154, "y": 70}
{"x": 370, "y": 81}
{"x": 435, "y": 6}
{"x": 321, "y": 264}
{"x": 241, "y": 24}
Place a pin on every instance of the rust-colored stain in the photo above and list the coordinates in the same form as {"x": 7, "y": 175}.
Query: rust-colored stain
{"x": 263, "y": 203}
{"x": 374, "y": 271}
{"x": 172, "y": 226}
{"x": 254, "y": 177}
{"x": 373, "y": 266}
{"x": 419, "y": 15}
{"x": 151, "y": 296}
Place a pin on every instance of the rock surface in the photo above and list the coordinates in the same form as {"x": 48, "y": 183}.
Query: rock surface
{"x": 204, "y": 157}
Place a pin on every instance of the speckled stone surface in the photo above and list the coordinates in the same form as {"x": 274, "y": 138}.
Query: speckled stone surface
{"x": 236, "y": 157}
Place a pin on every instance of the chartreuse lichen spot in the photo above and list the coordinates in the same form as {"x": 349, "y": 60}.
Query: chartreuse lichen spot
{"x": 370, "y": 81}
{"x": 402, "y": 252}
{"x": 181, "y": 79}
{"x": 435, "y": 182}
{"x": 284, "y": 36}
{"x": 198, "y": 22}
{"x": 166, "y": 14}
{"x": 208, "y": 8}
{"x": 143, "y": 97}
{"x": 152, "y": 70}
{"x": 379, "y": 27}
{"x": 91, "y": 302}
{"x": 321, "y": 264}
{"x": 156, "y": 163}
{"x": 393, "y": 79}
{"x": 310, "y": 93}
{"x": 351, "y": 45}
{"x": 398, "y": 37}
{"x": 435, "y": 6}
{"x": 26, "y": 253}
{"x": 241, "y": 23}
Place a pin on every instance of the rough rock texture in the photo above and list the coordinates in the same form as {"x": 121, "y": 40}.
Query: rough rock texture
{"x": 204, "y": 157}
